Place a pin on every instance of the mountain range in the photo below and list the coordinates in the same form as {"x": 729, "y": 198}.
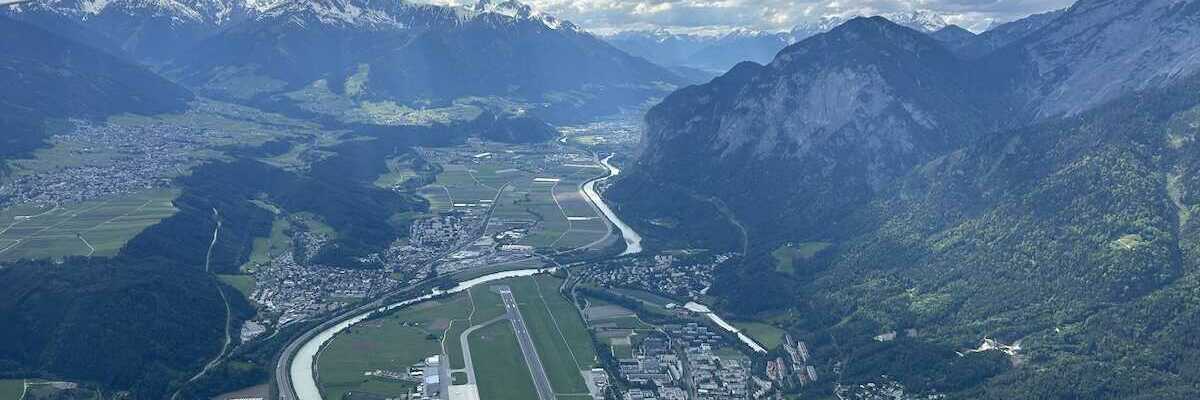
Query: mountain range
{"x": 388, "y": 51}
{"x": 1034, "y": 186}
{"x": 716, "y": 53}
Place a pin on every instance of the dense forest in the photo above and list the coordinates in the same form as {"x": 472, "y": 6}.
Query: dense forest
{"x": 157, "y": 316}
{"x": 338, "y": 189}
{"x": 1073, "y": 239}
{"x": 145, "y": 327}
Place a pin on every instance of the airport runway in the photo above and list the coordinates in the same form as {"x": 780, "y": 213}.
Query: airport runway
{"x": 540, "y": 380}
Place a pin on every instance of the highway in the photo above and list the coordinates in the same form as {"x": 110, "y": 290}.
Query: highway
{"x": 540, "y": 381}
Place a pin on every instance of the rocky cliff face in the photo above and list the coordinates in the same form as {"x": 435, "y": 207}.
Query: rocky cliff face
{"x": 835, "y": 116}
{"x": 1099, "y": 50}
{"x": 870, "y": 99}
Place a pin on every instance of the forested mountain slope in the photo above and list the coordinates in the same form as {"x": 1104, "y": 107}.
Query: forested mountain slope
{"x": 1073, "y": 239}
{"x": 1044, "y": 198}
{"x": 43, "y": 76}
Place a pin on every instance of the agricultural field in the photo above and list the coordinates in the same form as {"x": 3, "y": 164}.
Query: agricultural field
{"x": 538, "y": 190}
{"x": 438, "y": 197}
{"x": 564, "y": 218}
{"x": 11, "y": 389}
{"x": 464, "y": 185}
{"x": 97, "y": 228}
{"x": 787, "y": 255}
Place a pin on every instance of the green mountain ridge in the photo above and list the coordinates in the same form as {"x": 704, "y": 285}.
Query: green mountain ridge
{"x": 1067, "y": 238}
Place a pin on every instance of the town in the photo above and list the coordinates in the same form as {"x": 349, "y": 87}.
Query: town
{"x": 105, "y": 160}
{"x": 686, "y": 276}
{"x": 688, "y": 361}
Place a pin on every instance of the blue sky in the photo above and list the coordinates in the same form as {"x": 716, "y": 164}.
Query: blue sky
{"x": 708, "y": 15}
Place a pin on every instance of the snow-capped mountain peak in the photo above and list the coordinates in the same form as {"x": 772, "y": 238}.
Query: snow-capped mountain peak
{"x": 518, "y": 10}
{"x": 922, "y": 20}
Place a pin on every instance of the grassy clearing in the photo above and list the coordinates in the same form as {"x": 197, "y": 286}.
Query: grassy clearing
{"x": 463, "y": 186}
{"x": 313, "y": 224}
{"x": 787, "y": 255}
{"x": 243, "y": 283}
{"x": 553, "y": 224}
{"x": 398, "y": 172}
{"x": 265, "y": 248}
{"x": 769, "y": 336}
{"x": 77, "y": 229}
{"x": 622, "y": 323}
{"x": 390, "y": 343}
{"x": 622, "y": 351}
{"x": 646, "y": 297}
{"x": 11, "y": 389}
{"x": 438, "y": 197}
{"x": 501, "y": 369}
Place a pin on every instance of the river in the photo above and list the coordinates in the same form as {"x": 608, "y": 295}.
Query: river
{"x": 301, "y": 369}
{"x": 304, "y": 381}
{"x": 633, "y": 241}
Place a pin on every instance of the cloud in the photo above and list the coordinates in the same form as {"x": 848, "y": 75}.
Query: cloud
{"x": 692, "y": 15}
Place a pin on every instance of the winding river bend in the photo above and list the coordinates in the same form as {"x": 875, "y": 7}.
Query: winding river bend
{"x": 633, "y": 241}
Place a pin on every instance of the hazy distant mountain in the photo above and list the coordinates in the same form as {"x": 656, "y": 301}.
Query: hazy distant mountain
{"x": 150, "y": 30}
{"x": 734, "y": 47}
{"x": 953, "y": 36}
{"x": 712, "y": 53}
{"x": 719, "y": 53}
{"x": 1005, "y": 34}
{"x": 1096, "y": 51}
{"x": 659, "y": 45}
{"x": 924, "y": 21}
{"x": 391, "y": 50}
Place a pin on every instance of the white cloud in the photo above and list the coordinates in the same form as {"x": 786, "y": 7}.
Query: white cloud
{"x": 698, "y": 15}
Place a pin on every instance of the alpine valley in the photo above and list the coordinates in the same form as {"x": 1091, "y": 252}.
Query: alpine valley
{"x": 417, "y": 200}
